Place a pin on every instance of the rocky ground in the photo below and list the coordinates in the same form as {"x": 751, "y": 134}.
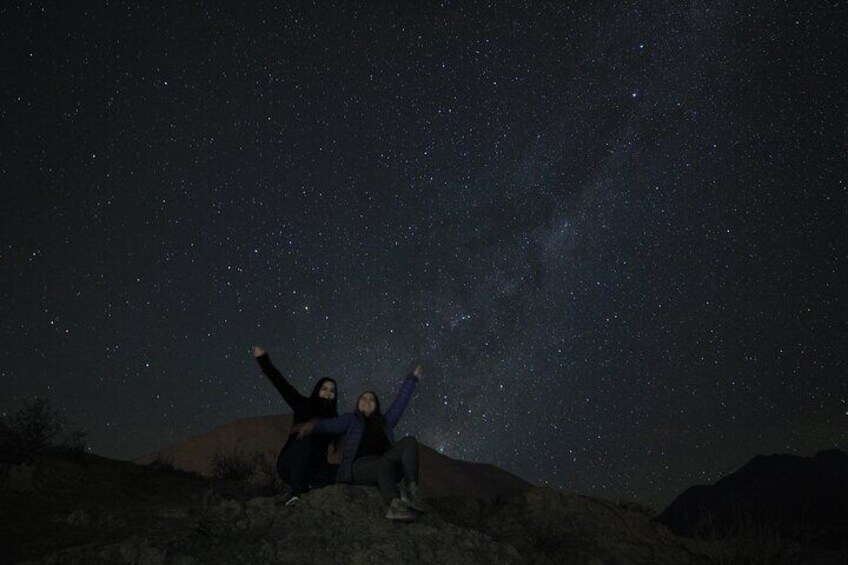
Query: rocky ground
{"x": 87, "y": 509}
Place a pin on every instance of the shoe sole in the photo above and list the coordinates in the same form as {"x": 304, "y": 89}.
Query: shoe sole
{"x": 401, "y": 518}
{"x": 423, "y": 508}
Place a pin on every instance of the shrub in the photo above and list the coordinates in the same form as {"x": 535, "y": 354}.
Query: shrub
{"x": 266, "y": 474}
{"x": 163, "y": 463}
{"x": 76, "y": 442}
{"x": 35, "y": 429}
{"x": 30, "y": 430}
{"x": 236, "y": 465}
{"x": 746, "y": 538}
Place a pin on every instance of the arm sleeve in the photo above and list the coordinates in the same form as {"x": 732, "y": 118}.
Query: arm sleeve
{"x": 395, "y": 411}
{"x": 286, "y": 390}
{"x": 333, "y": 426}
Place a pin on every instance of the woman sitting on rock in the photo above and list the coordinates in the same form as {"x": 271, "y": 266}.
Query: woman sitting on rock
{"x": 370, "y": 455}
{"x": 302, "y": 462}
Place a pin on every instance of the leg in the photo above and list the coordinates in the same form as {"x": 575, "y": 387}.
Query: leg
{"x": 297, "y": 456}
{"x": 364, "y": 470}
{"x": 284, "y": 463}
{"x": 405, "y": 453}
{"x": 385, "y": 473}
{"x": 373, "y": 470}
{"x": 388, "y": 476}
{"x": 319, "y": 477}
{"x": 320, "y": 473}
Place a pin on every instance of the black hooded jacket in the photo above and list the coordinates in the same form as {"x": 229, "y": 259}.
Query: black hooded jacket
{"x": 305, "y": 408}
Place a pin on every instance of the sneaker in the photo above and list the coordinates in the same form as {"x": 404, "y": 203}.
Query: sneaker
{"x": 412, "y": 497}
{"x": 399, "y": 511}
{"x": 292, "y": 501}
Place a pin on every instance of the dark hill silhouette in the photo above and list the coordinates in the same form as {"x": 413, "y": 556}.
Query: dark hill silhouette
{"x": 92, "y": 510}
{"x": 77, "y": 508}
{"x": 440, "y": 475}
{"x": 799, "y": 498}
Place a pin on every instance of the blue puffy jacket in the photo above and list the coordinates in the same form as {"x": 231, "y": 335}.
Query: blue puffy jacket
{"x": 352, "y": 425}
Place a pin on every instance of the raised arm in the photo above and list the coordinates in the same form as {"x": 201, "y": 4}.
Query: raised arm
{"x": 395, "y": 411}
{"x": 332, "y": 426}
{"x": 286, "y": 390}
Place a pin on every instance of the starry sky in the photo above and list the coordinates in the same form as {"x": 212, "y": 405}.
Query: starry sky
{"x": 612, "y": 232}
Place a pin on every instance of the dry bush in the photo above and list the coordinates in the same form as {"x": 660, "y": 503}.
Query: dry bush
{"x": 236, "y": 465}
{"x": 36, "y": 428}
{"x": 29, "y": 431}
{"x": 747, "y": 540}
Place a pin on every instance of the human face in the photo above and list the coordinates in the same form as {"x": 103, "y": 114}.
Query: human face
{"x": 367, "y": 404}
{"x": 327, "y": 390}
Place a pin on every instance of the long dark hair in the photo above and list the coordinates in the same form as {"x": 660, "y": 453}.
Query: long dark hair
{"x": 375, "y": 419}
{"x": 323, "y": 407}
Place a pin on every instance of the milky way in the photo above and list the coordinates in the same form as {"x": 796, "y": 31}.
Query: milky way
{"x": 614, "y": 235}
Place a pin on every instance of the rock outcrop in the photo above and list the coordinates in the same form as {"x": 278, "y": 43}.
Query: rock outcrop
{"x": 93, "y": 510}
{"x": 96, "y": 510}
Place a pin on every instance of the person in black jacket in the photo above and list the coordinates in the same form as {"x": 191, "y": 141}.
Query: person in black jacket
{"x": 302, "y": 462}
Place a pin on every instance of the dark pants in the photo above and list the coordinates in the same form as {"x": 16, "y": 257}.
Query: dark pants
{"x": 303, "y": 465}
{"x": 399, "y": 462}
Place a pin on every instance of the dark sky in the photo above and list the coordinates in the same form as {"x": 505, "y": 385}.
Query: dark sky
{"x": 613, "y": 234}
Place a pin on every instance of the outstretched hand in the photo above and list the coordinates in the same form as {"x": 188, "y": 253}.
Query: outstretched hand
{"x": 418, "y": 371}
{"x": 258, "y": 351}
{"x": 304, "y": 429}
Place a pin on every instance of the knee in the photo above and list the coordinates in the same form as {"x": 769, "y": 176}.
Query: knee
{"x": 408, "y": 441}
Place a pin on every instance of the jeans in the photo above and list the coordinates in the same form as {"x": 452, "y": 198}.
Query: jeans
{"x": 303, "y": 465}
{"x": 401, "y": 461}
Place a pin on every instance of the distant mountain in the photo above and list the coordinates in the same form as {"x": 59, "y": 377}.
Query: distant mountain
{"x": 440, "y": 475}
{"x": 798, "y": 498}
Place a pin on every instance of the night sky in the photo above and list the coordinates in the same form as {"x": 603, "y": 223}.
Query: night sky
{"x": 614, "y": 235}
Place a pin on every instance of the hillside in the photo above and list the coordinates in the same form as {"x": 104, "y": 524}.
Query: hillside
{"x": 440, "y": 475}
{"x": 91, "y": 510}
{"x": 76, "y": 508}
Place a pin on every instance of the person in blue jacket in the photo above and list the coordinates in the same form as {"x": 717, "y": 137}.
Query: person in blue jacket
{"x": 370, "y": 455}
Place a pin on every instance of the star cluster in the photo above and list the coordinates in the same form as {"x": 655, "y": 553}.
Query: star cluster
{"x": 613, "y": 234}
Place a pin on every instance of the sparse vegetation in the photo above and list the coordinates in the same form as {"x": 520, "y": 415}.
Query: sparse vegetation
{"x": 163, "y": 463}
{"x": 747, "y": 540}
{"x": 266, "y": 475}
{"x": 76, "y": 442}
{"x": 235, "y": 465}
{"x": 34, "y": 429}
